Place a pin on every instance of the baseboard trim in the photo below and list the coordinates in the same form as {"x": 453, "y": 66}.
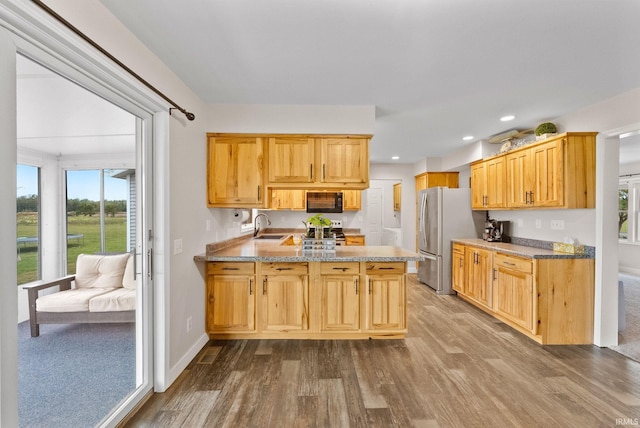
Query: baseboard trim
{"x": 182, "y": 364}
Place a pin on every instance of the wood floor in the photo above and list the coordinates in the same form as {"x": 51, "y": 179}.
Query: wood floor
{"x": 458, "y": 367}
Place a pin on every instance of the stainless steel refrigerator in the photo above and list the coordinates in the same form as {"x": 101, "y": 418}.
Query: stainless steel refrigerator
{"x": 443, "y": 214}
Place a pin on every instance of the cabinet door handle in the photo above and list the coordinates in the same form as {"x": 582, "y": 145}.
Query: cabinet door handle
{"x": 531, "y": 198}
{"x": 460, "y": 262}
{"x": 258, "y": 192}
{"x": 356, "y": 281}
{"x": 369, "y": 286}
{"x": 250, "y": 286}
{"x": 494, "y": 274}
{"x": 264, "y": 286}
{"x": 311, "y": 172}
{"x": 323, "y": 171}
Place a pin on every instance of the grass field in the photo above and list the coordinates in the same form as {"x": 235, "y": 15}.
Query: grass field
{"x": 115, "y": 241}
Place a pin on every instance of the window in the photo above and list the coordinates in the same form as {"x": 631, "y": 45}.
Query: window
{"x": 629, "y": 210}
{"x": 28, "y": 223}
{"x": 97, "y": 220}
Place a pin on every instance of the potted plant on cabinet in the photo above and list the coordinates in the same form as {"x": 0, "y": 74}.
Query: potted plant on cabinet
{"x": 545, "y": 130}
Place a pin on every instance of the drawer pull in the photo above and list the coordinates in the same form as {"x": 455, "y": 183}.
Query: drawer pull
{"x": 343, "y": 269}
{"x": 509, "y": 263}
{"x": 230, "y": 268}
{"x": 279, "y": 269}
{"x": 386, "y": 268}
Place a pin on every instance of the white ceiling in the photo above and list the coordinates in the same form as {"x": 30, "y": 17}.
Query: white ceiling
{"x": 436, "y": 70}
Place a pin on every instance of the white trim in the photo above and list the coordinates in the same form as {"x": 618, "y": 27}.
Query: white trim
{"x": 182, "y": 364}
{"x": 38, "y": 36}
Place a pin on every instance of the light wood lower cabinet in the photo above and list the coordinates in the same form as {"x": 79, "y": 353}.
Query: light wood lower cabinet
{"x": 340, "y": 306}
{"x": 315, "y": 300}
{"x": 457, "y": 266}
{"x": 386, "y": 301}
{"x": 549, "y": 300}
{"x": 231, "y": 298}
{"x": 513, "y": 291}
{"x": 478, "y": 284}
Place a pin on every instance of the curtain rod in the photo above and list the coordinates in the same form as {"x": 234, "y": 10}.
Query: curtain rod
{"x": 86, "y": 38}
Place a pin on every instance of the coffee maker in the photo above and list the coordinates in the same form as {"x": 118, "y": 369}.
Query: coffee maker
{"x": 495, "y": 230}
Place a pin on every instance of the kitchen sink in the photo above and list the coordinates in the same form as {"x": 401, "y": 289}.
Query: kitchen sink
{"x": 269, "y": 237}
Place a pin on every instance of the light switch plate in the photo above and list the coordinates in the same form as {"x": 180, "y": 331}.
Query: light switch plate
{"x": 177, "y": 246}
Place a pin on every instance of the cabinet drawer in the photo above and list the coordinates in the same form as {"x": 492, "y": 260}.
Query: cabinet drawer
{"x": 230, "y": 268}
{"x": 458, "y": 248}
{"x": 354, "y": 240}
{"x": 514, "y": 263}
{"x": 339, "y": 268}
{"x": 284, "y": 268}
{"x": 385, "y": 267}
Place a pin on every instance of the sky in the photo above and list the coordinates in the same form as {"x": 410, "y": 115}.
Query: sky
{"x": 83, "y": 184}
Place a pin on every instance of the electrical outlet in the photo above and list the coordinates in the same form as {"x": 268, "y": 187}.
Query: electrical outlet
{"x": 189, "y": 324}
{"x": 557, "y": 224}
{"x": 519, "y": 222}
{"x": 177, "y": 246}
{"x": 538, "y": 224}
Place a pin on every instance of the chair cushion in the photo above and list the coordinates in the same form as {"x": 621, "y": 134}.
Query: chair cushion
{"x": 74, "y": 300}
{"x": 100, "y": 271}
{"x": 128, "y": 281}
{"x": 120, "y": 299}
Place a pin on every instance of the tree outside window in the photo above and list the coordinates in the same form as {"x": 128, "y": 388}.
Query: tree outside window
{"x": 623, "y": 212}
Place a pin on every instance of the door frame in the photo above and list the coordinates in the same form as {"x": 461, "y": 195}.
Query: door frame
{"x": 26, "y": 30}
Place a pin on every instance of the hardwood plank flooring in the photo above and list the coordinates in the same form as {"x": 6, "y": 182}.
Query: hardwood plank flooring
{"x": 457, "y": 367}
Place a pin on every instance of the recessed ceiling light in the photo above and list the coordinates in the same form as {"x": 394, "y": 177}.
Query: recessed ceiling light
{"x": 507, "y": 118}
{"x": 395, "y": 157}
{"x": 468, "y": 138}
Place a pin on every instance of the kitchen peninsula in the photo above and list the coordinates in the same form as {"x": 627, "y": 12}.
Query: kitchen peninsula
{"x": 258, "y": 288}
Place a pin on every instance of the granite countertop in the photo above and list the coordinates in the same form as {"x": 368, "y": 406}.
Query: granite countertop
{"x": 271, "y": 251}
{"x": 522, "y": 250}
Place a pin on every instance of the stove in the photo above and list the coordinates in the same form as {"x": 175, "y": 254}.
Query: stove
{"x": 336, "y": 229}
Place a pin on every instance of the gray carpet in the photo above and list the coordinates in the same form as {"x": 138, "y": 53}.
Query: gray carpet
{"x": 629, "y": 338}
{"x": 73, "y": 375}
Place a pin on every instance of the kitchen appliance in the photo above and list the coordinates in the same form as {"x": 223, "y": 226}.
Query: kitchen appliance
{"x": 336, "y": 232}
{"x": 324, "y": 202}
{"x": 443, "y": 214}
{"x": 496, "y": 231}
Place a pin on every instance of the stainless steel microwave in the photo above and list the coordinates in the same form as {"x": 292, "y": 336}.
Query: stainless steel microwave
{"x": 324, "y": 202}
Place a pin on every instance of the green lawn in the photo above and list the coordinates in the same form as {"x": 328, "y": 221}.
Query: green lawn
{"x": 115, "y": 237}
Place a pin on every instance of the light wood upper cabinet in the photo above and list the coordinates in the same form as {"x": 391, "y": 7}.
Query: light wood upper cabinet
{"x": 436, "y": 179}
{"x": 352, "y": 200}
{"x": 291, "y": 160}
{"x": 397, "y": 196}
{"x": 235, "y": 172}
{"x": 488, "y": 184}
{"x": 293, "y": 199}
{"x": 344, "y": 160}
{"x": 555, "y": 173}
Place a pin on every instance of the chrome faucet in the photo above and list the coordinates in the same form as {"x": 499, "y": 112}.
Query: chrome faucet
{"x": 256, "y": 227}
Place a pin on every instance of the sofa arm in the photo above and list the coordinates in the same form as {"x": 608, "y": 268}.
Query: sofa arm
{"x": 32, "y": 292}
